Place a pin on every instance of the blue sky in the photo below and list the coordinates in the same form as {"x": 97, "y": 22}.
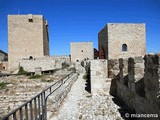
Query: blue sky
{"x": 81, "y": 20}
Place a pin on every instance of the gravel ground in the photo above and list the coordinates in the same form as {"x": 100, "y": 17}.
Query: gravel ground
{"x": 81, "y": 105}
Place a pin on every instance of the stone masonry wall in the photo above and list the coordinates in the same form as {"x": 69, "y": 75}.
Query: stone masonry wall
{"x": 26, "y": 37}
{"x": 98, "y": 69}
{"x": 113, "y": 68}
{"x": 81, "y": 51}
{"x": 4, "y": 65}
{"x": 139, "y": 89}
{"x": 133, "y": 35}
{"x": 103, "y": 41}
{"x": 114, "y": 35}
{"x": 46, "y": 63}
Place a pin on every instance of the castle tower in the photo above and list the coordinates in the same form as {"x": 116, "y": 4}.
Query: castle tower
{"x": 81, "y": 50}
{"x": 27, "y": 38}
{"x": 122, "y": 40}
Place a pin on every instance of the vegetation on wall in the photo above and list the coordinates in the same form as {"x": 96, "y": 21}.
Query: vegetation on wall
{"x": 22, "y": 71}
{"x": 3, "y": 85}
{"x": 35, "y": 77}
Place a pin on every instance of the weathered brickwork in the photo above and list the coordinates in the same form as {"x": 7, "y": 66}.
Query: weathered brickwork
{"x": 122, "y": 40}
{"x": 81, "y": 51}
{"x": 27, "y": 38}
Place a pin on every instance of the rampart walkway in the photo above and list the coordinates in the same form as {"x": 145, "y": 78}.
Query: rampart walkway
{"x": 79, "y": 104}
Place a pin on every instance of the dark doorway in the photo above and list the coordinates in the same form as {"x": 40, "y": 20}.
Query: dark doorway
{"x": 124, "y": 47}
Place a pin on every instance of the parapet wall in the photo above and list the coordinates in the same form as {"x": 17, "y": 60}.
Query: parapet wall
{"x": 46, "y": 63}
{"x": 98, "y": 72}
{"x": 137, "y": 83}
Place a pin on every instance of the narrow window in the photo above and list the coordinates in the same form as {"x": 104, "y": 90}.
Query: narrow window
{"x": 30, "y": 17}
{"x": 30, "y": 20}
{"x": 124, "y": 47}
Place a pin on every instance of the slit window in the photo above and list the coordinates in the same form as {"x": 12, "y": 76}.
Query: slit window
{"x": 124, "y": 47}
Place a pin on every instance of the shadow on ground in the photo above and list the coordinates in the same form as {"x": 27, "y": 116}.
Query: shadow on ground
{"x": 123, "y": 110}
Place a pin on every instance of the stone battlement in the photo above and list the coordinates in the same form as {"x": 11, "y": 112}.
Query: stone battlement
{"x": 137, "y": 82}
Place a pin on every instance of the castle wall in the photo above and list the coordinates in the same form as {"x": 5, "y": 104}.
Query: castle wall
{"x": 81, "y": 51}
{"x": 4, "y": 65}
{"x": 45, "y": 37}
{"x": 114, "y": 35}
{"x": 138, "y": 84}
{"x": 30, "y": 65}
{"x": 103, "y": 41}
{"x": 26, "y": 38}
{"x": 98, "y": 75}
{"x": 46, "y": 63}
{"x": 133, "y": 35}
{"x": 3, "y": 56}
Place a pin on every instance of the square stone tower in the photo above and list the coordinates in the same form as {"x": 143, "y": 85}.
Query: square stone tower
{"x": 27, "y": 38}
{"x": 81, "y": 51}
{"x": 122, "y": 40}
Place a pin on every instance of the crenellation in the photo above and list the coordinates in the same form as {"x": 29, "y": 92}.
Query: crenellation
{"x": 152, "y": 77}
{"x": 142, "y": 92}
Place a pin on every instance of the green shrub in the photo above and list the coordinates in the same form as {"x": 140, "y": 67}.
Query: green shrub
{"x": 22, "y": 71}
{"x": 35, "y": 77}
{"x": 3, "y": 85}
{"x": 43, "y": 80}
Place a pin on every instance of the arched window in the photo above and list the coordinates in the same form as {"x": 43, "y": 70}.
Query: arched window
{"x": 30, "y": 58}
{"x": 4, "y": 68}
{"x": 124, "y": 47}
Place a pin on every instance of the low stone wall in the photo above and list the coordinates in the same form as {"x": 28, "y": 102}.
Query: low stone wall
{"x": 98, "y": 69}
{"x": 55, "y": 100}
{"x": 113, "y": 68}
{"x": 3, "y": 65}
{"x": 138, "y": 84}
{"x": 46, "y": 63}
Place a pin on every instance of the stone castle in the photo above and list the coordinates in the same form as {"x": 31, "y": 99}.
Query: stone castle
{"x": 27, "y": 38}
{"x": 120, "y": 59}
{"x": 81, "y": 51}
{"x": 120, "y": 40}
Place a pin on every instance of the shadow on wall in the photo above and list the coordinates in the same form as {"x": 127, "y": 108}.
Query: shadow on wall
{"x": 136, "y": 91}
{"x": 123, "y": 109}
{"x": 87, "y": 78}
